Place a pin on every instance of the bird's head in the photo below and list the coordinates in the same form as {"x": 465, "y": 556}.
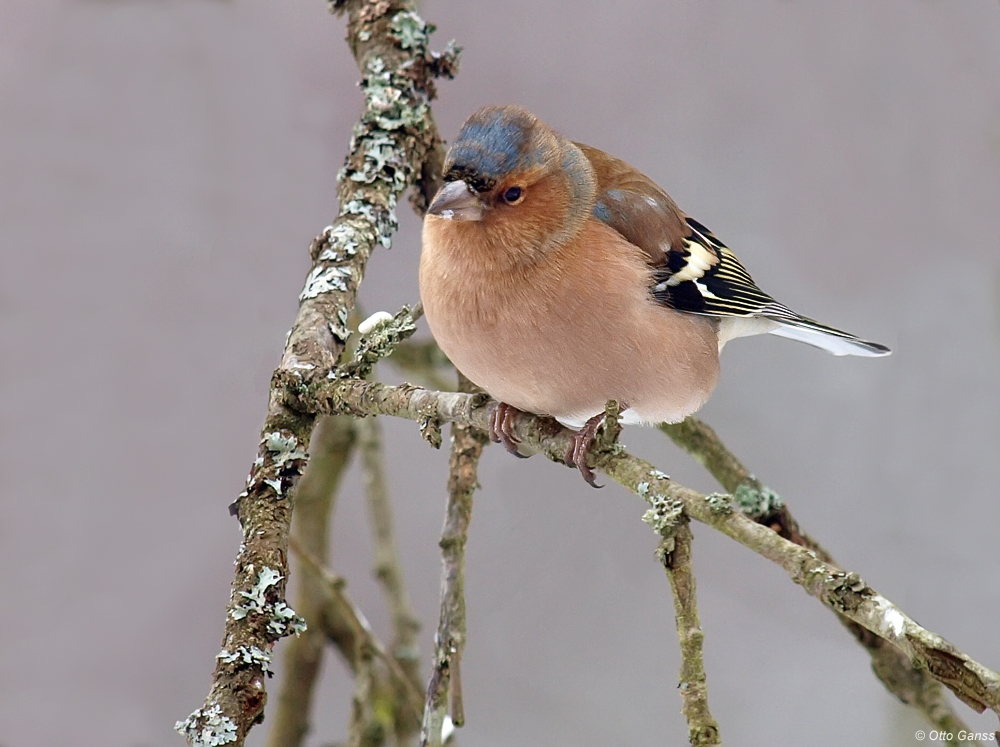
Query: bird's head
{"x": 513, "y": 182}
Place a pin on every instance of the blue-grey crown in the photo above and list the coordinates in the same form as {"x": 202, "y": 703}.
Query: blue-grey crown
{"x": 491, "y": 144}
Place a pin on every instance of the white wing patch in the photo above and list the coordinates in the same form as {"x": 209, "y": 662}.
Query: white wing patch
{"x": 699, "y": 261}
{"x": 703, "y": 289}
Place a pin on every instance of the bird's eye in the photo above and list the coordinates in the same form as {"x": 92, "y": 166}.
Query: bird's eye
{"x": 513, "y": 195}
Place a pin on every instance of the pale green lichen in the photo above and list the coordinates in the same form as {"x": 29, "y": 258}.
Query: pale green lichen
{"x": 325, "y": 280}
{"x": 207, "y": 727}
{"x": 251, "y": 655}
{"x": 283, "y": 449}
{"x": 642, "y": 489}
{"x": 664, "y": 513}
{"x": 383, "y": 218}
{"x": 338, "y": 328}
{"x": 616, "y": 449}
{"x": 256, "y": 600}
{"x": 720, "y": 504}
{"x": 285, "y": 621}
{"x": 757, "y": 503}
{"x": 659, "y": 475}
{"x": 410, "y": 30}
{"x": 342, "y": 243}
{"x": 392, "y": 104}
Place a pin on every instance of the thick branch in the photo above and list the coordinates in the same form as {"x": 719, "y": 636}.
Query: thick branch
{"x": 467, "y": 442}
{"x": 675, "y": 554}
{"x": 913, "y": 685}
{"x": 394, "y": 138}
{"x": 845, "y": 592}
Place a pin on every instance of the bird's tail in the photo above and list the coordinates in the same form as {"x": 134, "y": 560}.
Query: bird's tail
{"x": 833, "y": 340}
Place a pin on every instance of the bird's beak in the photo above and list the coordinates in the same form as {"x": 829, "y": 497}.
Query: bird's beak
{"x": 455, "y": 201}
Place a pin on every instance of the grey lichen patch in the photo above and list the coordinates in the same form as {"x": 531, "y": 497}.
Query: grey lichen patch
{"x": 207, "y": 727}
{"x": 757, "y": 503}
{"x": 283, "y": 620}
{"x": 383, "y": 218}
{"x": 642, "y": 489}
{"x": 325, "y": 280}
{"x": 410, "y": 30}
{"x": 720, "y": 504}
{"x": 430, "y": 431}
{"x": 341, "y": 243}
{"x": 283, "y": 449}
{"x": 391, "y": 104}
{"x": 846, "y": 591}
{"x": 664, "y": 513}
{"x": 249, "y": 655}
{"x": 256, "y": 598}
{"x": 658, "y": 475}
{"x": 338, "y": 327}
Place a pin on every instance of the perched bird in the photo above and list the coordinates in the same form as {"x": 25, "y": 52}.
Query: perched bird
{"x": 557, "y": 277}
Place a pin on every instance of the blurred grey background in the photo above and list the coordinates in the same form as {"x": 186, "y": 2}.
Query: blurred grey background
{"x": 164, "y": 165}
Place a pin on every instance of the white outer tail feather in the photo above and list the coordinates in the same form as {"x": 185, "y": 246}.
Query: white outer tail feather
{"x": 830, "y": 343}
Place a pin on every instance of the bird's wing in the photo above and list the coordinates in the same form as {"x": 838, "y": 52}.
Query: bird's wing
{"x": 694, "y": 272}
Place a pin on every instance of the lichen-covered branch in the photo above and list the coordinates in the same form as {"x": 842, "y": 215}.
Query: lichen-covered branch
{"x": 675, "y": 554}
{"x": 444, "y": 691}
{"x": 388, "y": 567}
{"x": 392, "y": 142}
{"x": 845, "y": 592}
{"x": 331, "y": 447}
{"x": 913, "y": 685}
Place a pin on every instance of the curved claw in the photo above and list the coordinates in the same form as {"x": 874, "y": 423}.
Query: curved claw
{"x": 501, "y": 430}
{"x": 579, "y": 449}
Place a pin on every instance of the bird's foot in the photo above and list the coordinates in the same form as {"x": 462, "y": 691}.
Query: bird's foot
{"x": 583, "y": 440}
{"x": 501, "y": 429}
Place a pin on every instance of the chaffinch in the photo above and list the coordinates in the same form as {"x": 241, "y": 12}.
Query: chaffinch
{"x": 557, "y": 277}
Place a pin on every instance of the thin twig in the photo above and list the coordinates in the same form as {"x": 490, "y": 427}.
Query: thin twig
{"x": 675, "y": 554}
{"x": 364, "y": 638}
{"x": 395, "y": 145}
{"x": 388, "y": 566}
{"x": 975, "y": 684}
{"x": 444, "y": 691}
{"x": 912, "y": 685}
{"x": 332, "y": 445}
{"x": 359, "y": 726}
